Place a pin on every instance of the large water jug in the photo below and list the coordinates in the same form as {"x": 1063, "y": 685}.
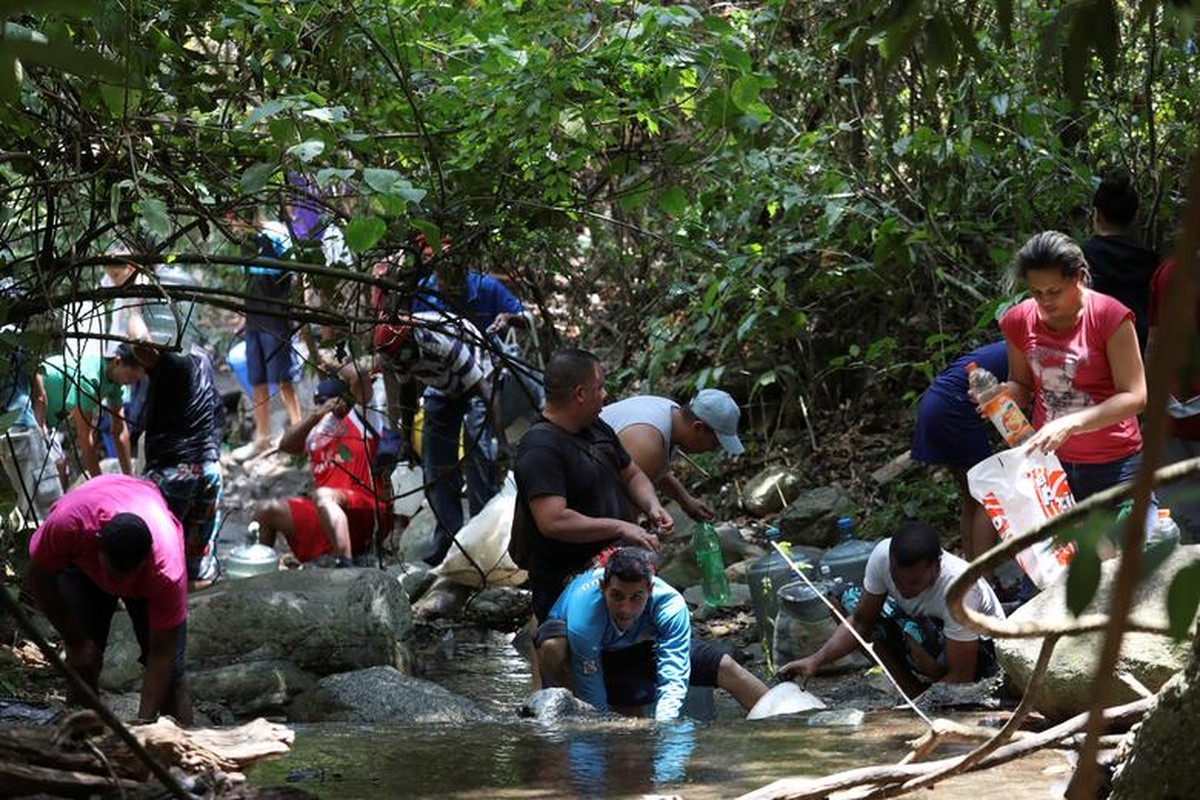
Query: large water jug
{"x": 804, "y": 623}
{"x": 766, "y": 576}
{"x": 848, "y": 558}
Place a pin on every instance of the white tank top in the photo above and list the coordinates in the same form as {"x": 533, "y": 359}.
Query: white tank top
{"x": 643, "y": 410}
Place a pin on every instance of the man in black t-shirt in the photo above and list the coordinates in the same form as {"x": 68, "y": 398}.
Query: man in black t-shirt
{"x": 182, "y": 419}
{"x": 575, "y": 481}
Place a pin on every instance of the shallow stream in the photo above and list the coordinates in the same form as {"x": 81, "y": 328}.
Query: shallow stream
{"x": 583, "y": 758}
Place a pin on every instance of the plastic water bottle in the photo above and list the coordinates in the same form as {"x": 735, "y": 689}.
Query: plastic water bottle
{"x": 1164, "y": 530}
{"x": 1004, "y": 413}
{"x": 707, "y": 545}
{"x": 252, "y": 533}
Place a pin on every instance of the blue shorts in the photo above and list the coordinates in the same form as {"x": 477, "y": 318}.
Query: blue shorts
{"x": 270, "y": 358}
{"x": 949, "y": 432}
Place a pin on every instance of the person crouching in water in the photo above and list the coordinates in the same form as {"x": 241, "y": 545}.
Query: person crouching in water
{"x": 621, "y": 639}
{"x": 919, "y": 641}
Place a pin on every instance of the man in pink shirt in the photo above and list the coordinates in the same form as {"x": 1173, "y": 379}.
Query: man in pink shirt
{"x": 114, "y": 538}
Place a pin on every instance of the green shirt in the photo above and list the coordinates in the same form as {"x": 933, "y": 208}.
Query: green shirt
{"x": 81, "y": 384}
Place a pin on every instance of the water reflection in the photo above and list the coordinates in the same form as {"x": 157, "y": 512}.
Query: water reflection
{"x": 583, "y": 758}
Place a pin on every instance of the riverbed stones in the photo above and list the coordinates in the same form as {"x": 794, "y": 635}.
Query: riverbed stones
{"x": 1161, "y": 757}
{"x": 554, "y": 704}
{"x": 1066, "y": 689}
{"x": 811, "y": 519}
{"x": 321, "y": 620}
{"x": 500, "y": 607}
{"x": 770, "y": 490}
{"x": 383, "y": 694}
{"x": 252, "y": 688}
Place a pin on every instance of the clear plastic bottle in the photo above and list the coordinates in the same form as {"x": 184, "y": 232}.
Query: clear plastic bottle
{"x": 1001, "y": 409}
{"x": 707, "y": 544}
{"x": 1164, "y": 530}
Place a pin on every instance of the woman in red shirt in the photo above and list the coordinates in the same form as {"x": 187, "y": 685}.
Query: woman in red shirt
{"x": 1073, "y": 353}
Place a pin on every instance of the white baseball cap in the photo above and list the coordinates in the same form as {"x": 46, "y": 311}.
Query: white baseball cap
{"x": 719, "y": 411}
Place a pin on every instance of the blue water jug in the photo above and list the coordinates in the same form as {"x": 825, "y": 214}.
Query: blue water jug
{"x": 847, "y": 559}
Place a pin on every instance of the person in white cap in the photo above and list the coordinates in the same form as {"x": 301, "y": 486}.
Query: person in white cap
{"x": 656, "y": 429}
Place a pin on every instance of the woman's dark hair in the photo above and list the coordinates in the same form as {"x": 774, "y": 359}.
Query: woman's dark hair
{"x": 916, "y": 542}
{"x": 1051, "y": 250}
{"x": 630, "y": 564}
{"x": 1116, "y": 198}
{"x": 566, "y": 370}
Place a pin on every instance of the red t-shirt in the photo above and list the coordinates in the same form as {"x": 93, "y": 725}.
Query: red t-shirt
{"x": 1188, "y": 428}
{"x": 340, "y": 452}
{"x": 69, "y": 536}
{"x": 1071, "y": 372}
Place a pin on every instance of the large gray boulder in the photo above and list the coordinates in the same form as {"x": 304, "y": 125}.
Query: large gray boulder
{"x": 251, "y": 689}
{"x": 770, "y": 490}
{"x": 811, "y": 519}
{"x": 321, "y": 620}
{"x": 1066, "y": 688}
{"x": 1165, "y": 746}
{"x": 382, "y": 694}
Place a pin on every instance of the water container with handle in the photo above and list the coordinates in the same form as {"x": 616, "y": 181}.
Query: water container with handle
{"x": 766, "y": 576}
{"x": 847, "y": 559}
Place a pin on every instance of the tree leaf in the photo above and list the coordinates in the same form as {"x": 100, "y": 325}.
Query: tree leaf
{"x": 673, "y": 201}
{"x": 327, "y": 174}
{"x": 362, "y": 233}
{"x": 1082, "y": 580}
{"x": 307, "y": 151}
{"x": 1183, "y": 597}
{"x": 152, "y": 216}
{"x": 255, "y": 178}
{"x": 744, "y": 91}
{"x": 380, "y": 180}
{"x": 263, "y": 112}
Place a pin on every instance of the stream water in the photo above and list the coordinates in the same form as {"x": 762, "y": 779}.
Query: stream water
{"x": 580, "y": 758}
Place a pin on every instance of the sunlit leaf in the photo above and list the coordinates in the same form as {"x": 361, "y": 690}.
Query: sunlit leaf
{"x": 307, "y": 151}
{"x": 1183, "y": 597}
{"x": 1083, "y": 579}
{"x": 255, "y": 178}
{"x": 380, "y": 180}
{"x": 673, "y": 201}
{"x": 362, "y": 233}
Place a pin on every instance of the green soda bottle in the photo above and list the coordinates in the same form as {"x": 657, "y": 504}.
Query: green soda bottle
{"x": 707, "y": 545}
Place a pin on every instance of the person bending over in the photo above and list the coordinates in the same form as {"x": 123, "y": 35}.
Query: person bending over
{"x": 621, "y": 639}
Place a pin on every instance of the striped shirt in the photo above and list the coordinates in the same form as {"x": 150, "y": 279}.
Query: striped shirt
{"x": 450, "y": 354}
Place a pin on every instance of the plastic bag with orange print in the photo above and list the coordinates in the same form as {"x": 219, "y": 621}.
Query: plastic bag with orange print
{"x": 1020, "y": 490}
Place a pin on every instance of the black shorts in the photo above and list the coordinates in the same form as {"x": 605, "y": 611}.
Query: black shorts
{"x": 630, "y": 675}
{"x": 93, "y": 610}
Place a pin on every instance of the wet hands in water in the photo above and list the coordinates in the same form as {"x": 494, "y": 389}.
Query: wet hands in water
{"x": 799, "y": 670}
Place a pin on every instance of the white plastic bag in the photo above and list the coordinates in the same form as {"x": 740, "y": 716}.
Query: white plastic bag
{"x": 1020, "y": 490}
{"x": 485, "y": 538}
{"x": 408, "y": 493}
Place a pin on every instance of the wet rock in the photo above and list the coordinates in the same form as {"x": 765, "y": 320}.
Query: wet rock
{"x": 322, "y": 620}
{"x": 414, "y": 578}
{"x": 551, "y": 705}
{"x": 382, "y": 694}
{"x": 501, "y": 607}
{"x": 417, "y": 542}
{"x": 837, "y": 718}
{"x": 734, "y": 544}
{"x": 770, "y": 490}
{"x": 739, "y": 596}
{"x": 1161, "y": 755}
{"x": 945, "y": 696}
{"x": 253, "y": 688}
{"x": 811, "y": 519}
{"x": 1066, "y": 688}
{"x": 444, "y": 598}
{"x": 679, "y": 568}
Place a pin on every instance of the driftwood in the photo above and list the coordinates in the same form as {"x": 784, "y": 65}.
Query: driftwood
{"x": 81, "y": 757}
{"x": 892, "y": 776}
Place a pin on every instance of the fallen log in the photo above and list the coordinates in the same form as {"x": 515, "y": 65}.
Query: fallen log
{"x": 19, "y": 780}
{"x": 888, "y": 778}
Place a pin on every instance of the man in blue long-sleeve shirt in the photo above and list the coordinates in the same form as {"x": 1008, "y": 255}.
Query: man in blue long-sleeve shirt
{"x": 621, "y": 638}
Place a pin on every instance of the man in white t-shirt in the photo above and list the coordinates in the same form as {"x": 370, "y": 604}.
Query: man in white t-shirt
{"x": 922, "y": 642}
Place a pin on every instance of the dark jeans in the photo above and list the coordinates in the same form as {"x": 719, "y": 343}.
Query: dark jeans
{"x": 445, "y": 418}
{"x": 93, "y": 609}
{"x": 1089, "y": 479}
